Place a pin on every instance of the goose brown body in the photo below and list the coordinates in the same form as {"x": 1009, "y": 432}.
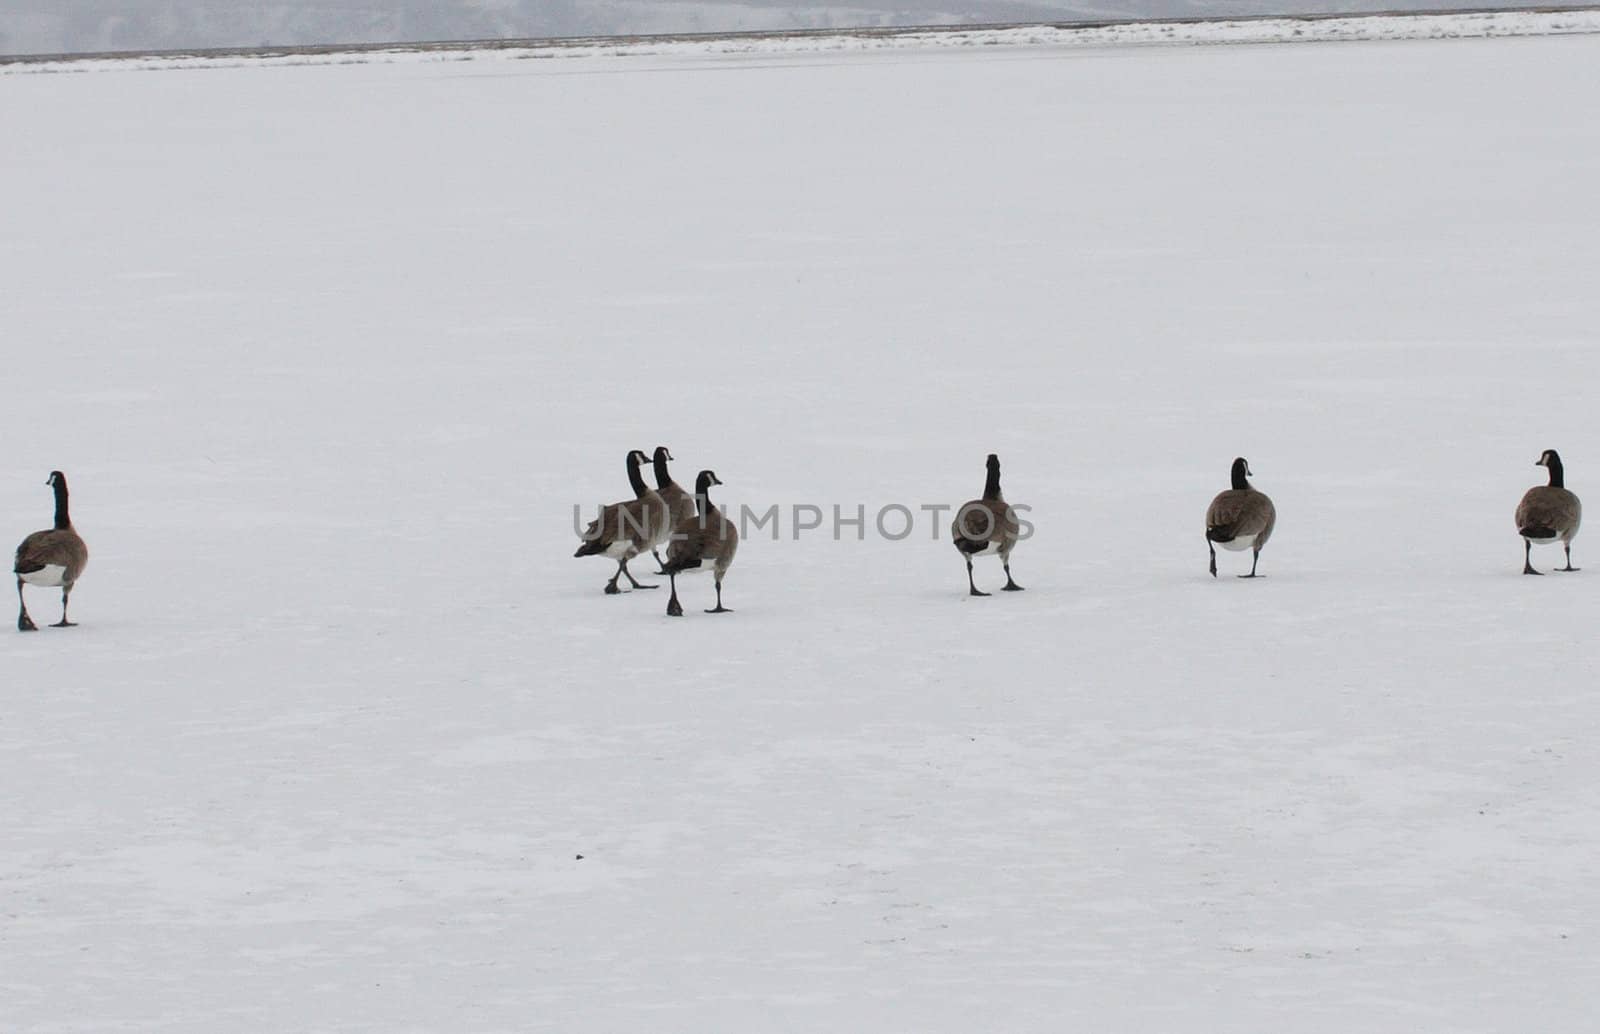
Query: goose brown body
{"x": 1549, "y": 514}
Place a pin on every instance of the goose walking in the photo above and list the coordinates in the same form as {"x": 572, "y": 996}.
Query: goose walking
{"x": 54, "y": 557}
{"x": 1548, "y": 513}
{"x": 1240, "y": 518}
{"x": 705, "y": 540}
{"x": 987, "y": 527}
{"x": 626, "y": 529}
{"x": 680, "y": 504}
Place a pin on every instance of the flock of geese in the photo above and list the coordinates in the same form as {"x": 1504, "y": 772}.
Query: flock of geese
{"x": 699, "y": 538}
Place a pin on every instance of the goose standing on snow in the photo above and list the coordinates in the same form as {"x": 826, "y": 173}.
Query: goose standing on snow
{"x": 705, "y": 540}
{"x": 1548, "y": 513}
{"x": 680, "y": 504}
{"x": 624, "y": 530}
{"x": 55, "y": 557}
{"x": 987, "y": 527}
{"x": 1240, "y": 518}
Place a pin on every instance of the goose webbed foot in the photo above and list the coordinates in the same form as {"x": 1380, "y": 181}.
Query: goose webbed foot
{"x": 674, "y": 608}
{"x": 623, "y": 570}
{"x": 720, "y": 609}
{"x": 1010, "y": 586}
{"x": 25, "y": 623}
{"x": 64, "y": 623}
{"x": 611, "y": 588}
{"x": 1528, "y": 569}
{"x": 1252, "y": 574}
{"x": 972, "y": 586}
{"x": 1569, "y": 567}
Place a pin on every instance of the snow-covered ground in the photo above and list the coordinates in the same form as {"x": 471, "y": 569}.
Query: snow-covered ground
{"x": 1355, "y": 28}
{"x": 79, "y": 26}
{"x": 330, "y": 353}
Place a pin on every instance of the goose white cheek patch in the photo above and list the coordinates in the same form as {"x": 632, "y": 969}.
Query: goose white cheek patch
{"x": 50, "y": 574}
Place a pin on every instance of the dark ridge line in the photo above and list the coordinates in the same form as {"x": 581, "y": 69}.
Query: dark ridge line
{"x": 870, "y": 32}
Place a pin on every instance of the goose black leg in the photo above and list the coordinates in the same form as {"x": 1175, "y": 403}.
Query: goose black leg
{"x": 1527, "y": 558}
{"x": 64, "y": 623}
{"x": 1569, "y": 566}
{"x": 661, "y": 566}
{"x": 970, "y": 583}
{"x": 674, "y": 608}
{"x": 24, "y": 622}
{"x": 1213, "y": 550}
{"x": 1255, "y": 555}
{"x": 631, "y": 579}
{"x": 611, "y": 586}
{"x": 719, "y": 609}
{"x": 1011, "y": 585}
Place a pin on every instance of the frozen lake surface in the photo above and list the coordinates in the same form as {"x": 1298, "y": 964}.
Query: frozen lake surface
{"x": 330, "y": 353}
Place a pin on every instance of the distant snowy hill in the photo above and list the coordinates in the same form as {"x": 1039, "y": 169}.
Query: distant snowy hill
{"x": 69, "y": 26}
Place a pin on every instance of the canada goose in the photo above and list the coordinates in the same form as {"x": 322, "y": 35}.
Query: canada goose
{"x": 54, "y": 557}
{"x": 680, "y": 504}
{"x": 1240, "y": 518}
{"x": 624, "y": 530}
{"x": 987, "y": 527}
{"x": 1548, "y": 513}
{"x": 705, "y": 540}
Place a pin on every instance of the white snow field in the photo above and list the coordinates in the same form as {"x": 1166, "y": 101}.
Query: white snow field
{"x": 329, "y": 354}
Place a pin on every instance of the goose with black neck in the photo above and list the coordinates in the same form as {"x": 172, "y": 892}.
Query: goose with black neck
{"x": 1240, "y": 518}
{"x": 54, "y": 557}
{"x": 987, "y": 527}
{"x": 704, "y": 541}
{"x": 1548, "y": 513}
{"x": 626, "y": 529}
{"x": 680, "y": 504}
